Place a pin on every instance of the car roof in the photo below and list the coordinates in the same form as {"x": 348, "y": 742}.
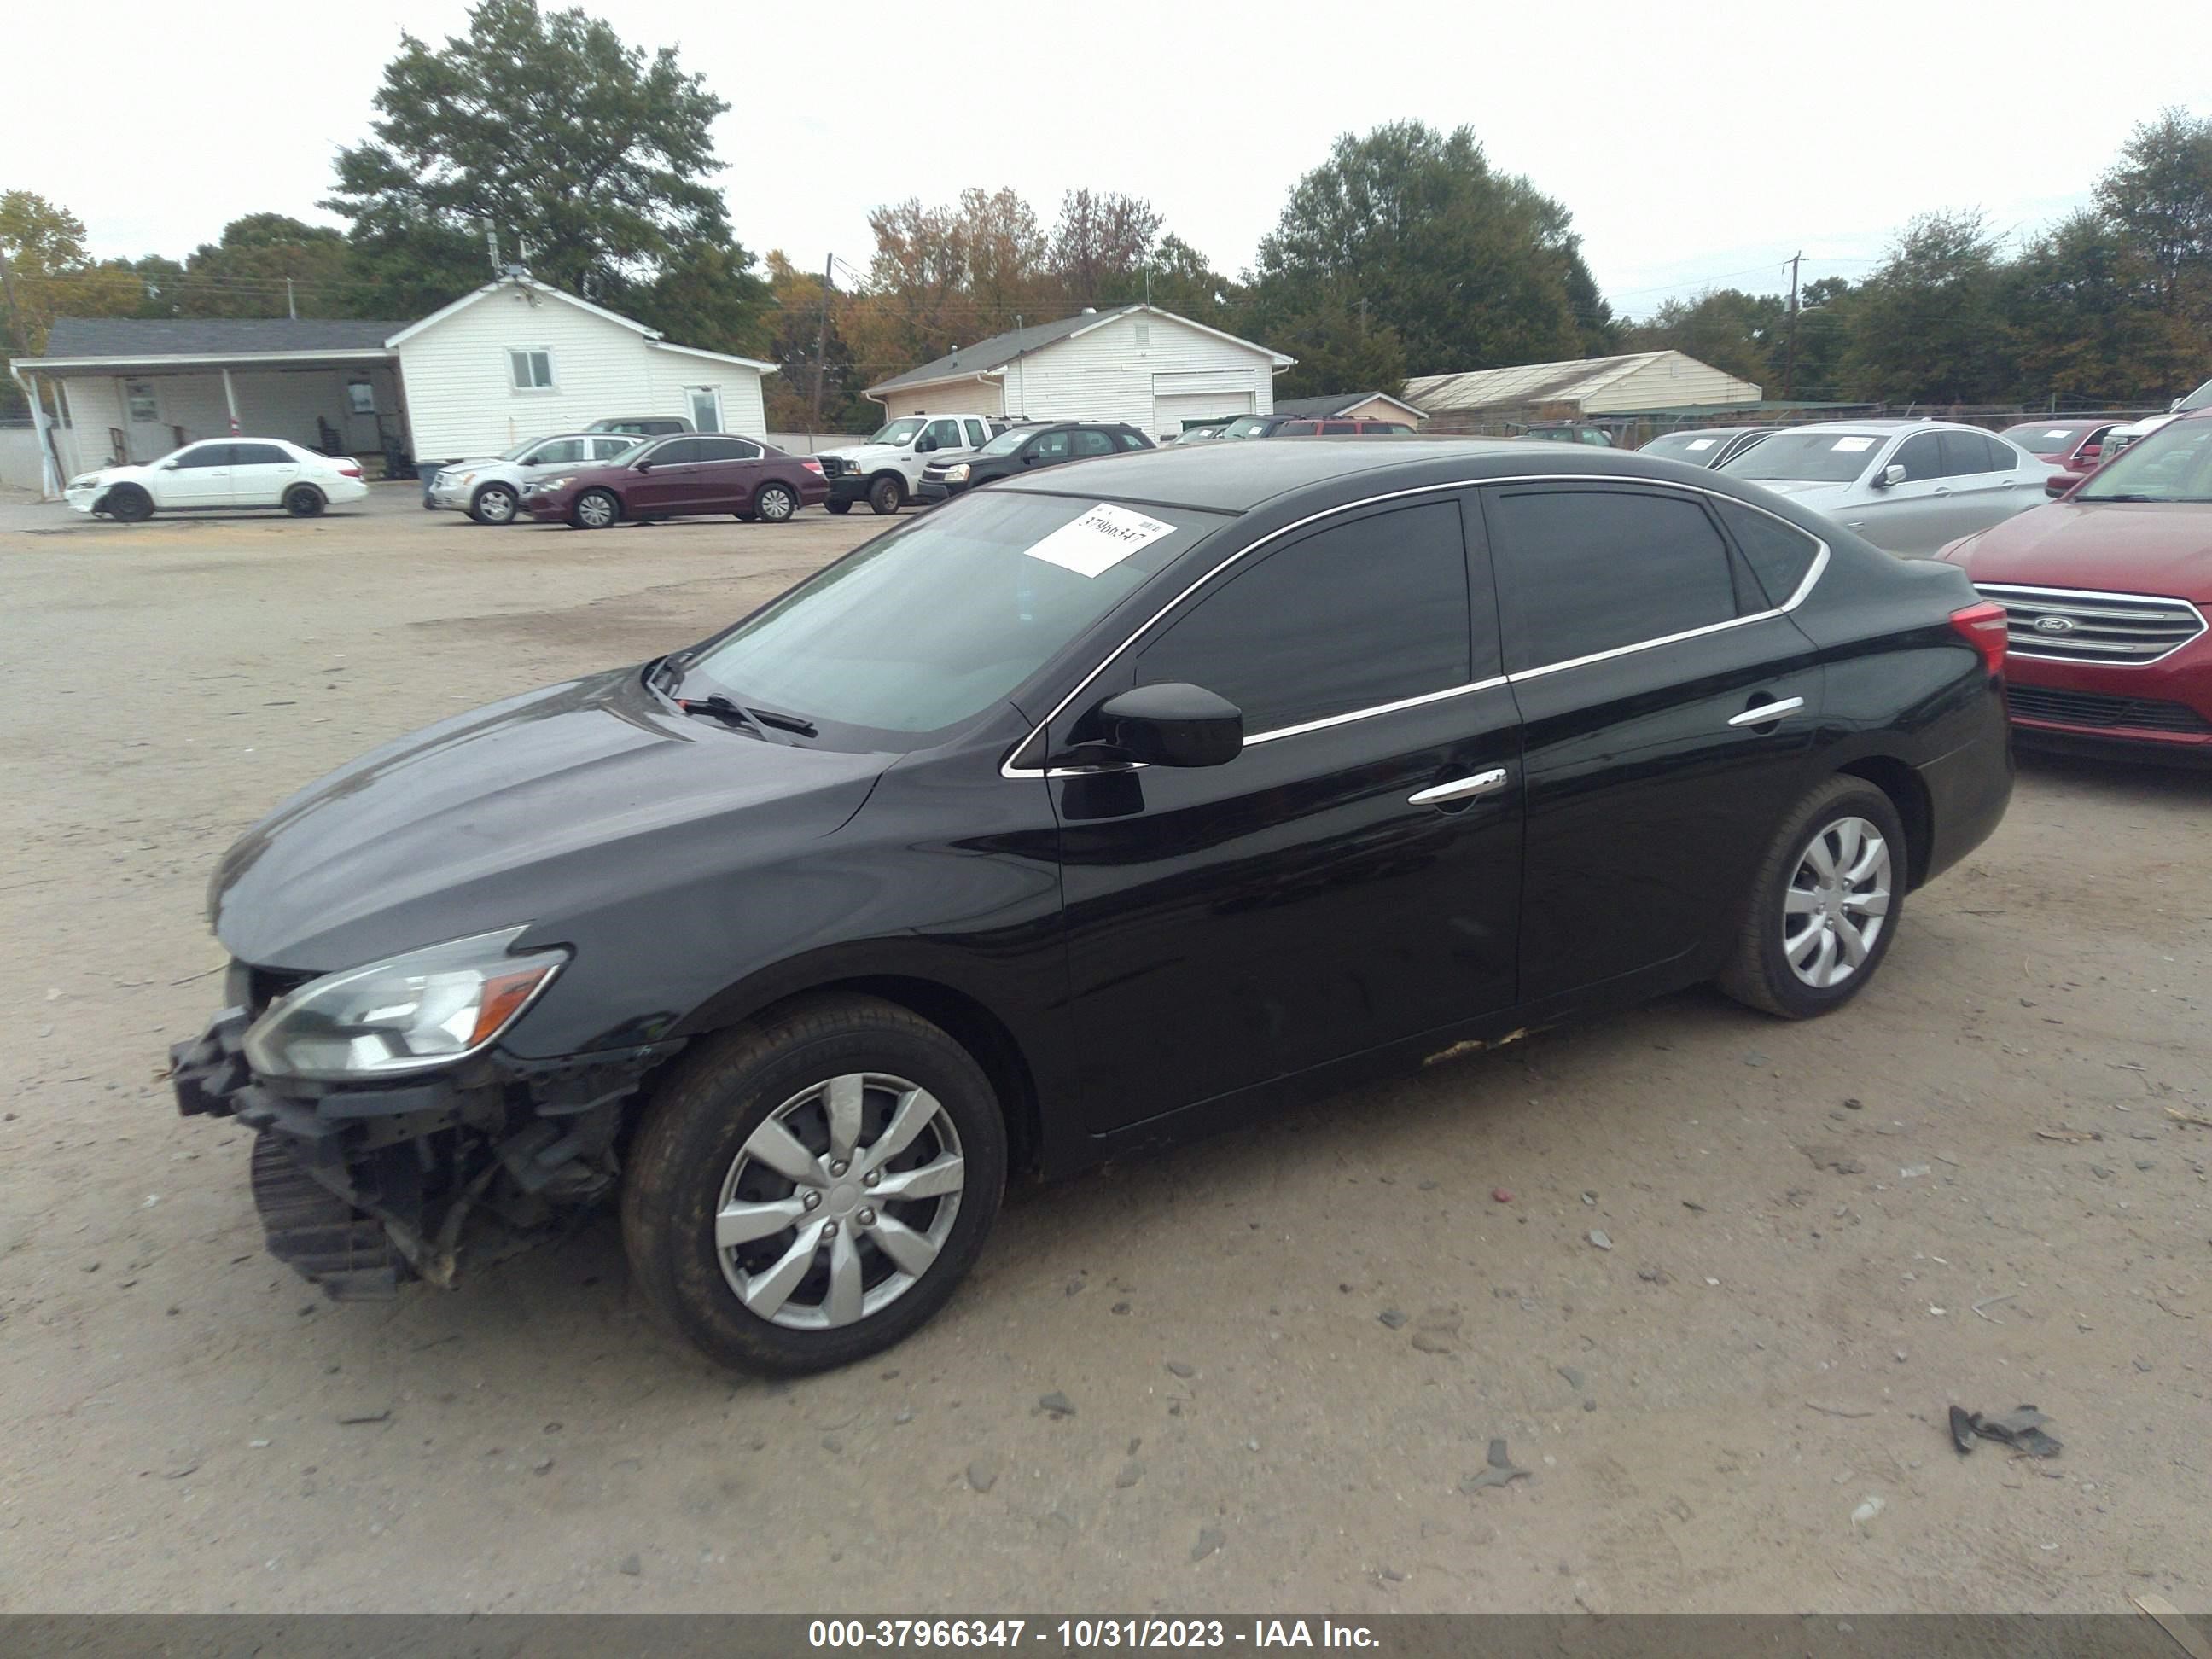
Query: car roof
{"x": 1237, "y": 478}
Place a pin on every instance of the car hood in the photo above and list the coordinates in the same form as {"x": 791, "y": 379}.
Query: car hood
{"x": 2140, "y": 547}
{"x": 861, "y": 453}
{"x": 549, "y": 809}
{"x": 1812, "y": 492}
{"x": 109, "y": 475}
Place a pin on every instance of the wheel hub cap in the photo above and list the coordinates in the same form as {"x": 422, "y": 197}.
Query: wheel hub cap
{"x": 1837, "y": 903}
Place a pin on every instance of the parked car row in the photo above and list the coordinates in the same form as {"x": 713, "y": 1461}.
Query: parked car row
{"x": 220, "y": 475}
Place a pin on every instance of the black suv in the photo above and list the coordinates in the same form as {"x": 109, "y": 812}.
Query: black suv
{"x": 1085, "y": 814}
{"x": 1025, "y": 449}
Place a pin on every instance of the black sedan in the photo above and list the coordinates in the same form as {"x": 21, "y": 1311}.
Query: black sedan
{"x": 1024, "y": 449}
{"x": 1083, "y": 816}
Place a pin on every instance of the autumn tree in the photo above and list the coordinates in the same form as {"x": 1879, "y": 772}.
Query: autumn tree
{"x": 1102, "y": 246}
{"x": 799, "y": 324}
{"x": 588, "y": 158}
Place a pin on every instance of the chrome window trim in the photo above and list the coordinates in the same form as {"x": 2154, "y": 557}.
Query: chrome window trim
{"x": 1994, "y": 591}
{"x": 1007, "y": 768}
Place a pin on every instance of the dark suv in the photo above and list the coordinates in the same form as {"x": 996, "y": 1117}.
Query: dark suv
{"x": 1023, "y": 449}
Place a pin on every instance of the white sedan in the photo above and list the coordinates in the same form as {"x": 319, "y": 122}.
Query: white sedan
{"x": 1910, "y": 487}
{"x": 489, "y": 490}
{"x": 220, "y": 475}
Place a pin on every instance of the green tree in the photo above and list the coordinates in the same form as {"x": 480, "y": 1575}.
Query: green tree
{"x": 1468, "y": 267}
{"x": 1737, "y": 333}
{"x": 1181, "y": 281}
{"x": 1338, "y": 348}
{"x": 1929, "y": 322}
{"x": 245, "y": 272}
{"x": 2085, "y": 306}
{"x": 588, "y": 158}
{"x": 1826, "y": 317}
{"x": 2158, "y": 197}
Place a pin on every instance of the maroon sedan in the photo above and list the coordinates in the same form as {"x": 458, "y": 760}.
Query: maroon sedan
{"x": 2074, "y": 445}
{"x": 2105, "y": 592}
{"x": 681, "y": 477}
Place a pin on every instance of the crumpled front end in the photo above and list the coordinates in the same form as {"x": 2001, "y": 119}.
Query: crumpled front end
{"x": 362, "y": 1186}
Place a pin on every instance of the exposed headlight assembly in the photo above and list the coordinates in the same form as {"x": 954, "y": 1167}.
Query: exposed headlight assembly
{"x": 957, "y": 473}
{"x": 407, "y": 1013}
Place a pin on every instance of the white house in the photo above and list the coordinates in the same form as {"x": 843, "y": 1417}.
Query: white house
{"x": 1636, "y": 383}
{"x": 514, "y": 359}
{"x": 1135, "y": 363}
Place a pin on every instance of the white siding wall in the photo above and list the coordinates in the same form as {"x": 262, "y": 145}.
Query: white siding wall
{"x": 461, "y": 398}
{"x": 953, "y": 397}
{"x": 1106, "y": 375}
{"x": 1672, "y": 382}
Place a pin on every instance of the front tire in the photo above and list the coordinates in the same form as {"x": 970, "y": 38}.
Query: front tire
{"x": 303, "y": 501}
{"x": 775, "y": 503}
{"x": 886, "y": 496}
{"x": 494, "y": 504}
{"x": 127, "y": 504}
{"x": 759, "y": 1212}
{"x": 1824, "y": 904}
{"x": 595, "y": 509}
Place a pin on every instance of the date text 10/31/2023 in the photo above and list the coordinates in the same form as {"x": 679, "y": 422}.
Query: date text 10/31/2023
{"x": 1071, "y": 1635}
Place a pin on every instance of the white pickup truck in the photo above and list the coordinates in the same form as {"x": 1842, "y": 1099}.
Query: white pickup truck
{"x": 885, "y": 471}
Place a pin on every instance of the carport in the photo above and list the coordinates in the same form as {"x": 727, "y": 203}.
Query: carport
{"x": 131, "y": 389}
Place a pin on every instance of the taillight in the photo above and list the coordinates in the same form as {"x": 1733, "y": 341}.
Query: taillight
{"x": 814, "y": 467}
{"x": 348, "y": 472}
{"x": 1983, "y": 627}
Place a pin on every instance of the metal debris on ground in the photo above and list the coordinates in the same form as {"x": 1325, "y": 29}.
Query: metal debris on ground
{"x": 2022, "y": 1429}
{"x": 1499, "y": 1470}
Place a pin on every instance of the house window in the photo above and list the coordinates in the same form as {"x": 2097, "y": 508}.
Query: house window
{"x": 706, "y": 409}
{"x": 361, "y": 397}
{"x": 143, "y": 407}
{"x": 532, "y": 371}
{"x": 1144, "y": 333}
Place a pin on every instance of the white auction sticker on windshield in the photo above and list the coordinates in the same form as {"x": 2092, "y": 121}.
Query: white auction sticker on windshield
{"x": 1099, "y": 540}
{"x": 1852, "y": 445}
{"x": 1701, "y": 443}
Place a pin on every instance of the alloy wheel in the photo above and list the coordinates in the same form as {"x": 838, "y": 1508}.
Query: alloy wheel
{"x": 1837, "y": 903}
{"x": 495, "y": 505}
{"x": 838, "y": 1204}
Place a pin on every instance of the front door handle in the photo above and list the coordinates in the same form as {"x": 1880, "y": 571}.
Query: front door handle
{"x": 1764, "y": 712}
{"x": 1482, "y": 783}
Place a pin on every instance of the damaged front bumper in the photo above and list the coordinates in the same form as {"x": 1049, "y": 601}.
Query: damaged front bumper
{"x": 362, "y": 1186}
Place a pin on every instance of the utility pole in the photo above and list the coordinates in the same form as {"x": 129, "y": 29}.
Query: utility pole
{"x": 1789, "y": 355}
{"x": 822, "y": 342}
{"x": 291, "y": 309}
{"x": 491, "y": 241}
{"x": 50, "y": 458}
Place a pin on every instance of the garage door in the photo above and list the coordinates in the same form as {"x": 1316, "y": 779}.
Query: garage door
{"x": 1171, "y": 412}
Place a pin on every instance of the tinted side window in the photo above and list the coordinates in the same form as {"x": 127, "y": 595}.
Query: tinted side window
{"x": 1338, "y": 429}
{"x": 1779, "y": 554}
{"x": 1969, "y": 451}
{"x": 945, "y": 433}
{"x": 1053, "y": 446}
{"x": 259, "y": 455}
{"x": 1093, "y": 443}
{"x": 1131, "y": 440}
{"x": 559, "y": 453}
{"x": 1921, "y": 456}
{"x": 1582, "y": 571}
{"x": 1297, "y": 429}
{"x": 725, "y": 449}
{"x": 1351, "y": 617}
{"x": 207, "y": 455}
{"x": 674, "y": 451}
{"x": 976, "y": 438}
{"x": 605, "y": 449}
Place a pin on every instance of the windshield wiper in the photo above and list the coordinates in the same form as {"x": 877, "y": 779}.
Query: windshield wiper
{"x": 797, "y": 723}
{"x": 2124, "y": 498}
{"x": 720, "y": 707}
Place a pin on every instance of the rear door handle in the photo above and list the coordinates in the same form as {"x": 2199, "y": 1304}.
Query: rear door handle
{"x": 1482, "y": 783}
{"x": 1766, "y": 712}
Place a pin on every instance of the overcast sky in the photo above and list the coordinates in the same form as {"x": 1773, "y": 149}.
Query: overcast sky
{"x": 1696, "y": 145}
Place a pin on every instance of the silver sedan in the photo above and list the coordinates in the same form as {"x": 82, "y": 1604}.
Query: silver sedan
{"x": 1908, "y": 486}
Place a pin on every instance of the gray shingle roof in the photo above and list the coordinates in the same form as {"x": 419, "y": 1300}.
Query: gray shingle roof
{"x": 211, "y": 337}
{"x": 998, "y": 350}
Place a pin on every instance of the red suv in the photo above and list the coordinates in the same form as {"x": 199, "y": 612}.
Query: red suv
{"x": 2105, "y": 592}
{"x": 680, "y": 478}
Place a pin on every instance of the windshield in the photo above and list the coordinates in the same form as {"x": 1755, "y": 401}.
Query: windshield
{"x": 2200, "y": 398}
{"x": 1807, "y": 456}
{"x": 898, "y": 431}
{"x": 1007, "y": 442}
{"x": 947, "y": 615}
{"x": 1245, "y": 426}
{"x": 2044, "y": 439}
{"x": 1692, "y": 445}
{"x": 2173, "y": 464}
{"x": 623, "y": 458}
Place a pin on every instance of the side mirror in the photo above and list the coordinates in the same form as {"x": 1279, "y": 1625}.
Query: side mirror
{"x": 2174, "y": 408}
{"x": 1171, "y": 725}
{"x": 1031, "y": 457}
{"x": 2059, "y": 483}
{"x": 1889, "y": 476}
{"x": 924, "y": 446}
{"x": 643, "y": 466}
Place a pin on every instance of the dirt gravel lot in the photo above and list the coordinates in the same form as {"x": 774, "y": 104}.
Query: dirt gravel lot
{"x": 1977, "y": 1185}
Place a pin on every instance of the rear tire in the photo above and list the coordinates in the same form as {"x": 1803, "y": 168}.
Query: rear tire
{"x": 303, "y": 501}
{"x": 595, "y": 509}
{"x": 814, "y": 1269}
{"x": 128, "y": 503}
{"x": 886, "y": 496}
{"x": 1831, "y": 886}
{"x": 775, "y": 503}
